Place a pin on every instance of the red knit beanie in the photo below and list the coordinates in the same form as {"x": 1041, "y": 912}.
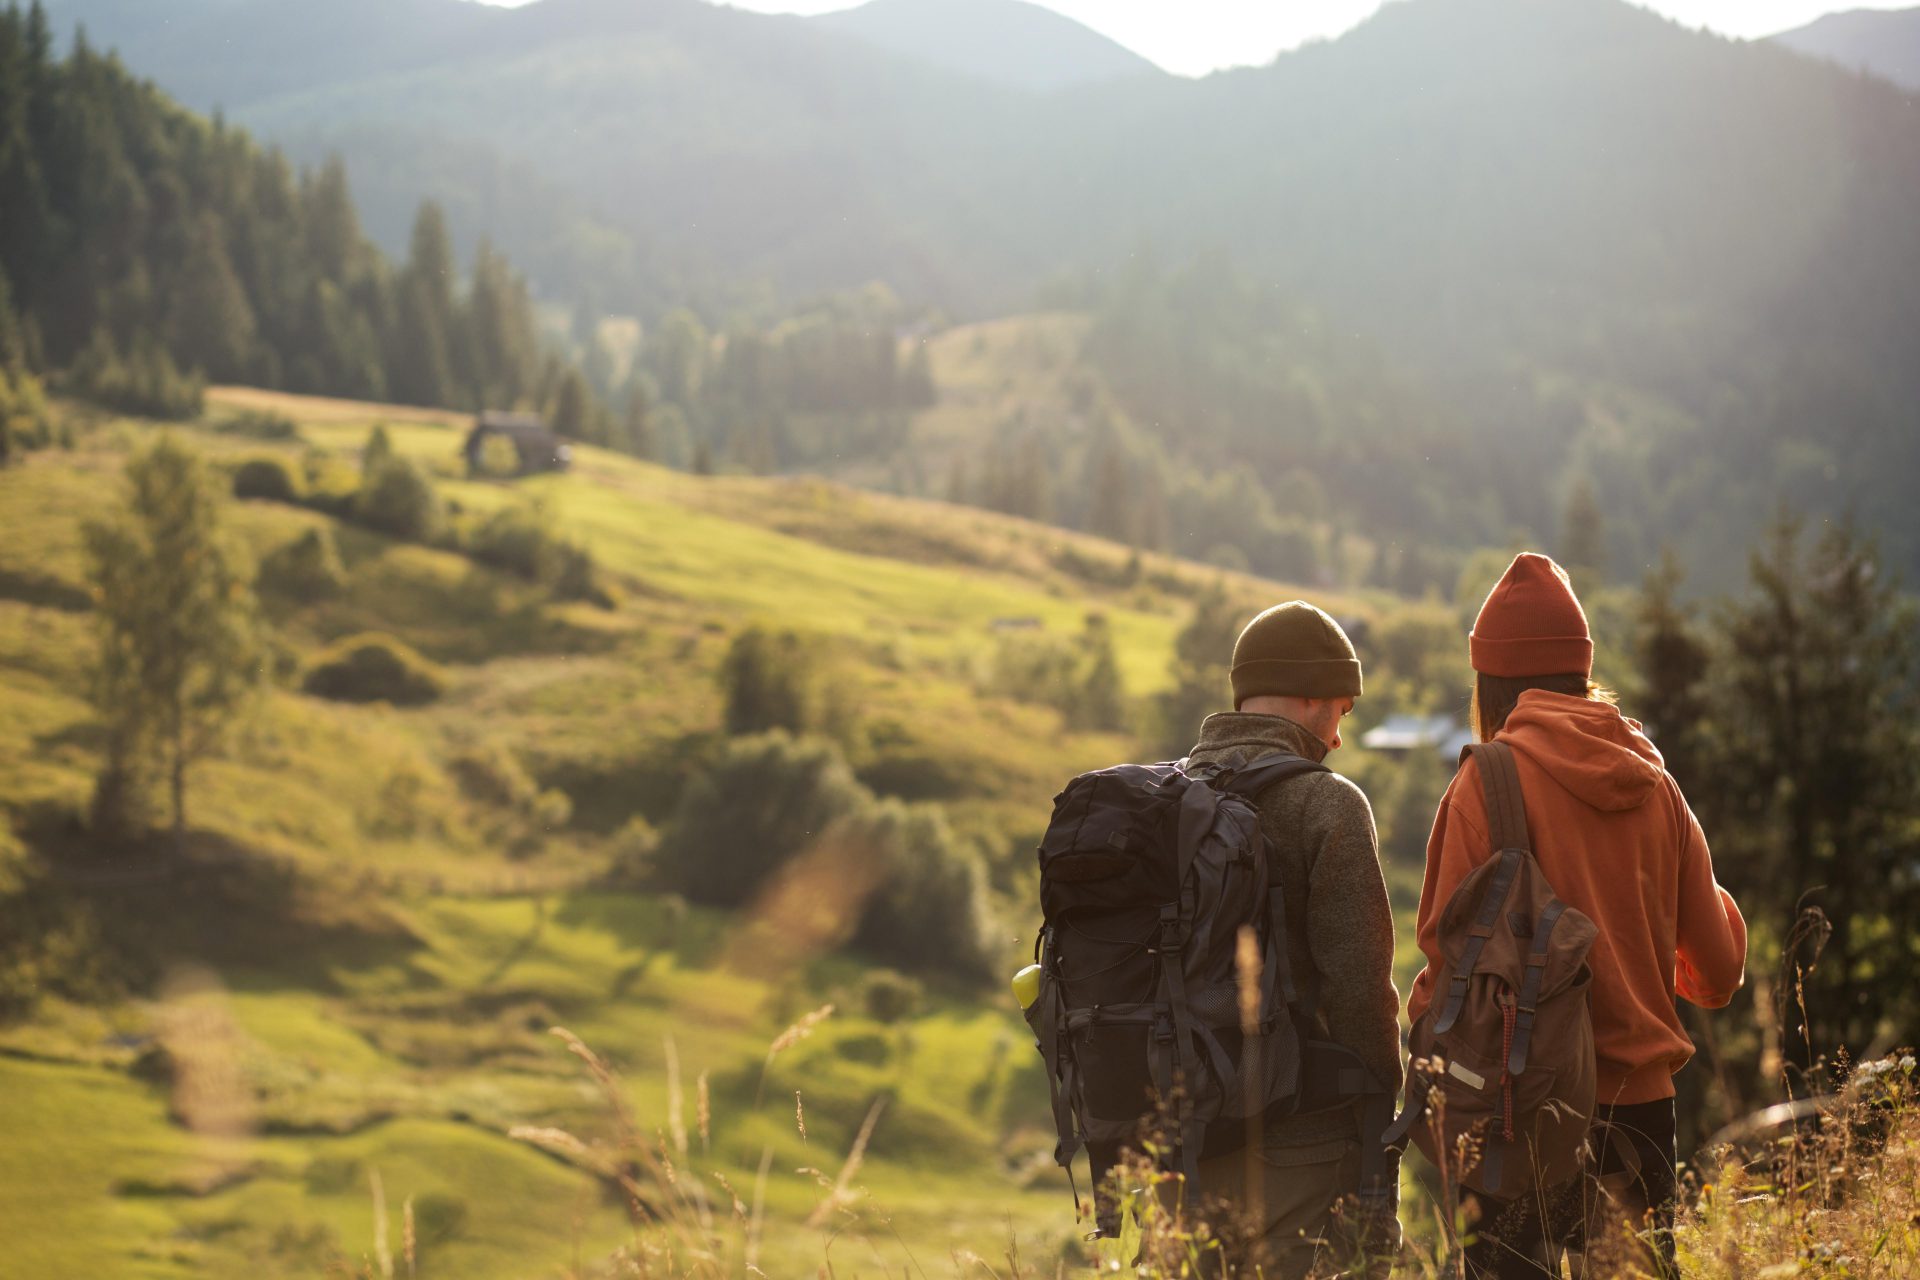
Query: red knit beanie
{"x": 1532, "y": 624}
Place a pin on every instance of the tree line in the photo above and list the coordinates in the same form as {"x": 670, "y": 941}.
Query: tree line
{"x": 143, "y": 249}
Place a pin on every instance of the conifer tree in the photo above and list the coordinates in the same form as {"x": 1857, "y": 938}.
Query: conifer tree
{"x": 210, "y": 323}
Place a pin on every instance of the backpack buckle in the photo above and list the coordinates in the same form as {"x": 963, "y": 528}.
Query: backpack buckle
{"x": 1172, "y": 939}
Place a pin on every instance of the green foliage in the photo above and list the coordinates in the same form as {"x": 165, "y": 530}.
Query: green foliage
{"x": 766, "y": 799}
{"x": 521, "y": 540}
{"x": 24, "y": 420}
{"x": 1813, "y": 798}
{"x": 142, "y": 242}
{"x": 1080, "y": 678}
{"x": 268, "y": 479}
{"x": 1202, "y": 658}
{"x": 769, "y": 682}
{"x": 889, "y": 997}
{"x": 493, "y": 776}
{"x": 307, "y": 568}
{"x": 374, "y": 668}
{"x": 146, "y": 382}
{"x": 178, "y": 649}
{"x": 928, "y": 912}
{"x": 397, "y": 499}
{"x": 261, "y": 424}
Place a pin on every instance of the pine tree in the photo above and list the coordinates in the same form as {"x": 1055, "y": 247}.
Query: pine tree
{"x": 1673, "y": 667}
{"x": 210, "y": 323}
{"x": 636, "y": 429}
{"x": 1815, "y": 802}
{"x": 333, "y": 225}
{"x": 177, "y": 620}
{"x": 422, "y": 371}
{"x": 1109, "y": 509}
{"x": 1583, "y": 542}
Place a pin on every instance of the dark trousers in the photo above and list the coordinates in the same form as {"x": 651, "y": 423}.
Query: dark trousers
{"x": 1635, "y": 1179}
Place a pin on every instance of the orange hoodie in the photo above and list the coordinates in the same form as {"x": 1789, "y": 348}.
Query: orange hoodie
{"x": 1616, "y": 839}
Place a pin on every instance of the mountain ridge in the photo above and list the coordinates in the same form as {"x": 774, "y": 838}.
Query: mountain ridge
{"x": 1885, "y": 42}
{"x": 1009, "y": 42}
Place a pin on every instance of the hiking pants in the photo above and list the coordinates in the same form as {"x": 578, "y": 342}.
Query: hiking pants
{"x": 1299, "y": 1219}
{"x": 1635, "y": 1181}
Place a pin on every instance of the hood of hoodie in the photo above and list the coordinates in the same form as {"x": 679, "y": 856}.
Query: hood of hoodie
{"x": 1587, "y": 747}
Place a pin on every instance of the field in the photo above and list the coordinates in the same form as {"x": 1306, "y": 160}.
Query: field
{"x": 363, "y": 959}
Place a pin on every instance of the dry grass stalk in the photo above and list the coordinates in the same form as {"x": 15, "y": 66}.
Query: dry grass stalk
{"x": 842, "y": 1193}
{"x": 703, "y": 1113}
{"x": 409, "y": 1241}
{"x": 382, "y": 1255}
{"x": 676, "y": 1102}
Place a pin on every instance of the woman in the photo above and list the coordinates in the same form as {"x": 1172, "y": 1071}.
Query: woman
{"x": 1614, "y": 836}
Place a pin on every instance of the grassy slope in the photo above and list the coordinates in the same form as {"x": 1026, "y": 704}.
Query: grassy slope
{"x": 395, "y": 1024}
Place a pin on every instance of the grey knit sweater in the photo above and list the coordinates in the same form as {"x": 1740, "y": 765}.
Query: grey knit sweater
{"x": 1339, "y": 924}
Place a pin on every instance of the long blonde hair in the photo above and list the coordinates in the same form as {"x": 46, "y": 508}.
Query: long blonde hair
{"x": 1495, "y": 697}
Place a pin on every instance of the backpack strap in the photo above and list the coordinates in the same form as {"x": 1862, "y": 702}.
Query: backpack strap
{"x": 1506, "y": 805}
{"x": 1507, "y": 828}
{"x": 1530, "y": 986}
{"x": 1247, "y": 783}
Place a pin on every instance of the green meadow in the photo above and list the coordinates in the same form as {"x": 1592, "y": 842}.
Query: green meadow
{"x": 349, "y": 972}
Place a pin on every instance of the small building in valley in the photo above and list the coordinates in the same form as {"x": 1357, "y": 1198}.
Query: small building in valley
{"x": 534, "y": 444}
{"x": 1399, "y": 735}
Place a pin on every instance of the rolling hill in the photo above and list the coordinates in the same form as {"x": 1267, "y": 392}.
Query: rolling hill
{"x": 347, "y": 970}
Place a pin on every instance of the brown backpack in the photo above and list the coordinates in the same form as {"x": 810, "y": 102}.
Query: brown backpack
{"x": 1509, "y": 1022}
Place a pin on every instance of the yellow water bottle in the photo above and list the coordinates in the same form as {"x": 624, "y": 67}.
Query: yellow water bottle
{"x": 1026, "y": 985}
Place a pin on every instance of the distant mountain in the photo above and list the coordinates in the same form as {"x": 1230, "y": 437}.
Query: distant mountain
{"x": 1009, "y": 42}
{"x": 1883, "y": 41}
{"x": 1682, "y": 265}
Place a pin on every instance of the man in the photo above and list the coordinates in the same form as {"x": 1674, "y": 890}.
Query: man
{"x": 1294, "y": 676}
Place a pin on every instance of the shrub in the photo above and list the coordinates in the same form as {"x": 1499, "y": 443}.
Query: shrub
{"x": 890, "y": 997}
{"x": 767, "y": 679}
{"x": 767, "y": 799}
{"x": 146, "y": 383}
{"x": 306, "y": 568}
{"x": 494, "y": 776}
{"x": 262, "y": 424}
{"x": 929, "y": 912}
{"x": 398, "y": 500}
{"x": 520, "y": 540}
{"x": 374, "y": 668}
{"x": 24, "y": 421}
{"x": 439, "y": 1217}
{"x": 267, "y": 479}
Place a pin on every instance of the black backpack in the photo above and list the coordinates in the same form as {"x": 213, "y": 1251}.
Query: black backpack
{"x": 1148, "y": 872}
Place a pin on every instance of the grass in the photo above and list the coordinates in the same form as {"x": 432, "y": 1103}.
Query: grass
{"x": 377, "y": 954}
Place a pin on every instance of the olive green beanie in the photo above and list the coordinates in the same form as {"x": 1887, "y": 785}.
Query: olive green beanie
{"x": 1294, "y": 650}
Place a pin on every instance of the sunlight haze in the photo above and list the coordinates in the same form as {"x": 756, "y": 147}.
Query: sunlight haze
{"x": 1199, "y": 36}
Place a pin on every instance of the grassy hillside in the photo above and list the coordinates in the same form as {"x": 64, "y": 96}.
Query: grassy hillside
{"x": 351, "y": 966}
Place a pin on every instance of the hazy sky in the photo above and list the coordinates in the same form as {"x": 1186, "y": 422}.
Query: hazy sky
{"x": 1194, "y": 37}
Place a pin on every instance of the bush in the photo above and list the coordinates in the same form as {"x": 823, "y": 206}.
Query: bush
{"x": 24, "y": 420}
{"x": 766, "y": 800}
{"x": 439, "y": 1217}
{"x": 520, "y": 540}
{"x": 307, "y": 568}
{"x": 768, "y": 679}
{"x": 493, "y": 776}
{"x": 890, "y": 997}
{"x": 374, "y": 668}
{"x": 261, "y": 424}
{"x": 398, "y": 500}
{"x": 929, "y": 912}
{"x": 267, "y": 479}
{"x": 146, "y": 383}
